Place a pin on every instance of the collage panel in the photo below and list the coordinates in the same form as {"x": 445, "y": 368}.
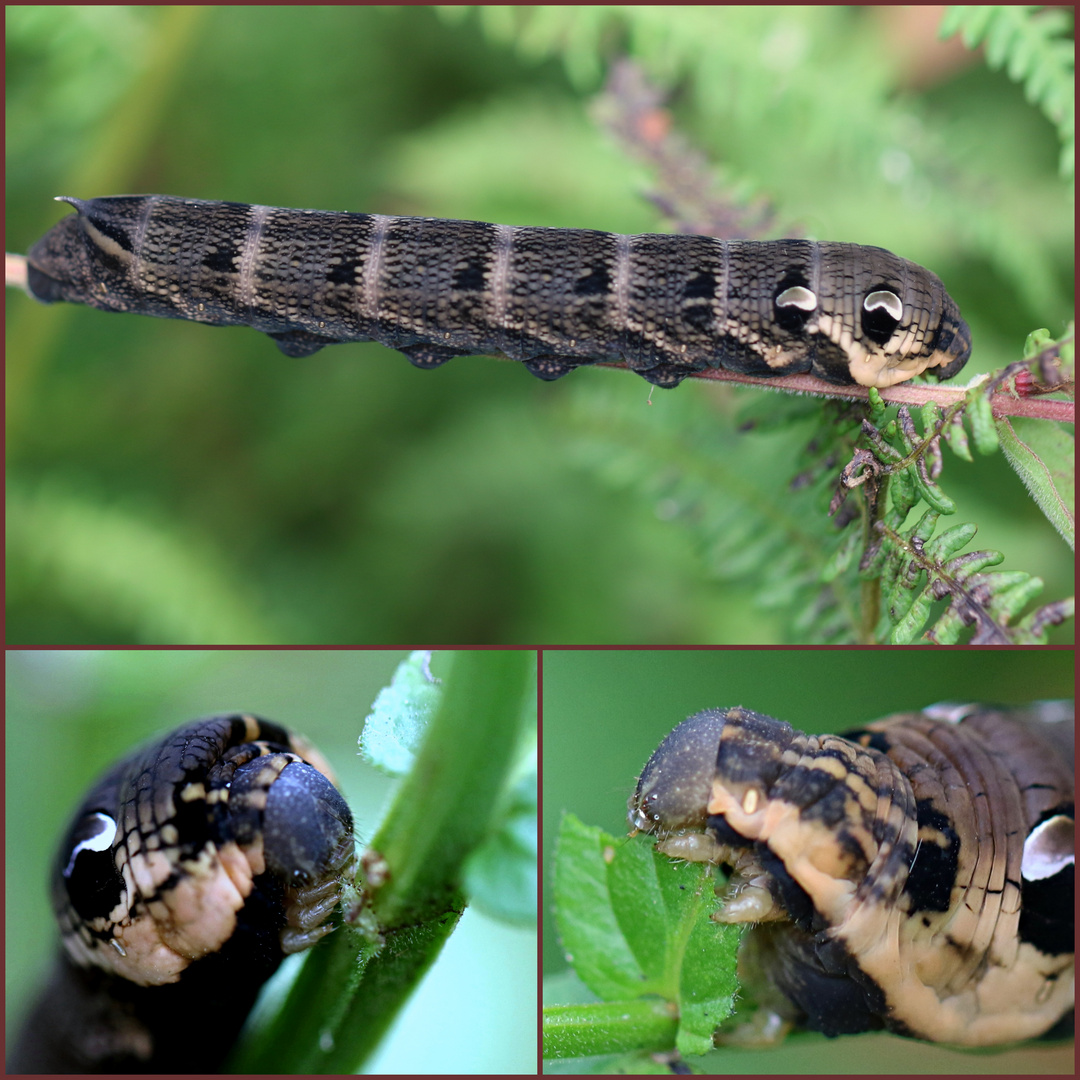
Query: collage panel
{"x": 926, "y": 856}
{"x": 189, "y": 822}
{"x": 699, "y": 324}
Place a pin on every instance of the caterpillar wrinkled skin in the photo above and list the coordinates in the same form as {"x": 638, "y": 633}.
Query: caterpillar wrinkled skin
{"x": 191, "y": 869}
{"x": 914, "y": 875}
{"x": 555, "y": 299}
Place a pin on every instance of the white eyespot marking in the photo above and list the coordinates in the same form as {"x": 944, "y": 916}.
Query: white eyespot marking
{"x": 887, "y": 301}
{"x": 750, "y": 801}
{"x": 799, "y": 297}
{"x": 102, "y": 829}
{"x": 951, "y": 712}
{"x": 1048, "y": 849}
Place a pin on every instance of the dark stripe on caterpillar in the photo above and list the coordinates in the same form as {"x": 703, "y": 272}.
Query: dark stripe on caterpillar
{"x": 554, "y": 299}
{"x": 915, "y": 874}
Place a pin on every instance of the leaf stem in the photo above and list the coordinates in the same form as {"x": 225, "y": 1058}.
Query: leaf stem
{"x": 607, "y": 1027}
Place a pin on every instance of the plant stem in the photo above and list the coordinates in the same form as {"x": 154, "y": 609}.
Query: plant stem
{"x": 351, "y": 988}
{"x": 1002, "y": 404}
{"x": 608, "y": 1027}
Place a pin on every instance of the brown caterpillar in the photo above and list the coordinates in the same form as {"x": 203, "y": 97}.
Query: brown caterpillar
{"x": 190, "y": 870}
{"x": 554, "y": 299}
{"x": 915, "y": 874}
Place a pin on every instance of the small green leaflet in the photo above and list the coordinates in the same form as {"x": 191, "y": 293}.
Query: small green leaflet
{"x": 399, "y": 717}
{"x": 634, "y": 922}
{"x": 500, "y": 875}
{"x": 1044, "y": 457}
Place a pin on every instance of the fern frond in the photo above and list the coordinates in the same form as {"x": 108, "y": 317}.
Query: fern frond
{"x": 755, "y": 526}
{"x": 631, "y": 108}
{"x": 798, "y": 86}
{"x": 916, "y": 570}
{"x": 921, "y": 573}
{"x": 1031, "y": 44}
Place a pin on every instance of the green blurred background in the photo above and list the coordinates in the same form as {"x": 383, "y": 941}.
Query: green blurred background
{"x": 605, "y": 712}
{"x": 169, "y": 482}
{"x": 72, "y": 713}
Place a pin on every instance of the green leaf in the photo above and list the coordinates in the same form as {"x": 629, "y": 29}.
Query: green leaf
{"x": 843, "y": 556}
{"x": 950, "y": 541}
{"x": 902, "y": 593}
{"x": 1036, "y": 341}
{"x": 399, "y": 717}
{"x": 902, "y": 490}
{"x": 588, "y": 928}
{"x": 708, "y": 984}
{"x": 947, "y": 630}
{"x": 932, "y": 494}
{"x": 956, "y": 437}
{"x": 1010, "y": 599}
{"x": 924, "y": 527}
{"x": 905, "y": 630}
{"x": 500, "y": 876}
{"x": 877, "y": 407}
{"x": 966, "y": 566}
{"x": 634, "y": 922}
{"x": 930, "y": 415}
{"x": 981, "y": 418}
{"x": 1043, "y": 456}
{"x": 1035, "y": 48}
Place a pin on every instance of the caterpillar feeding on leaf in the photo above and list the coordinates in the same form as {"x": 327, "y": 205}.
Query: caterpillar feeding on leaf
{"x": 555, "y": 299}
{"x": 915, "y": 874}
{"x": 191, "y": 869}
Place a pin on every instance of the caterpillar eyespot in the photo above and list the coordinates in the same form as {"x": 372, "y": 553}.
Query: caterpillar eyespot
{"x": 915, "y": 874}
{"x": 192, "y": 868}
{"x": 889, "y": 302}
{"x": 554, "y": 299}
{"x": 797, "y": 297}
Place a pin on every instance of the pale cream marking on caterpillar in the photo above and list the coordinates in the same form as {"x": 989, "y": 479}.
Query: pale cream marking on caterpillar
{"x": 888, "y": 867}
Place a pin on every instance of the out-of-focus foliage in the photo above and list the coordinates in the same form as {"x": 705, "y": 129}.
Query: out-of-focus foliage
{"x": 1036, "y": 50}
{"x": 160, "y": 467}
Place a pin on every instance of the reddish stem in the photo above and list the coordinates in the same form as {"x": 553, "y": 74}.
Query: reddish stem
{"x": 1003, "y": 404}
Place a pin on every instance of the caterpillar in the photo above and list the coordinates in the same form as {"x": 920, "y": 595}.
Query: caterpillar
{"x": 191, "y": 869}
{"x": 915, "y": 874}
{"x": 554, "y": 299}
